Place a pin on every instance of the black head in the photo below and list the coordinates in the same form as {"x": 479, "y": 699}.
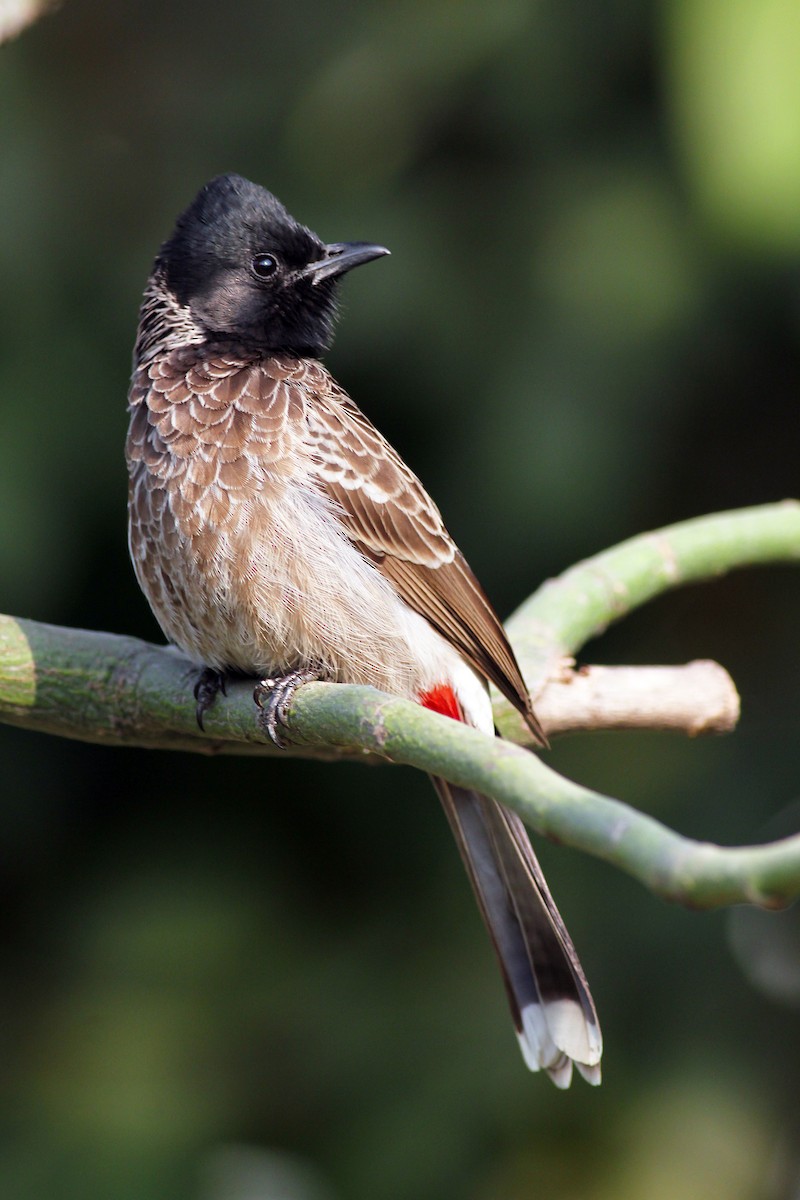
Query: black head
{"x": 244, "y": 268}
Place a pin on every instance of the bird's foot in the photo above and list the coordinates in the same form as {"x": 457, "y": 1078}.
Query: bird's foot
{"x": 206, "y": 690}
{"x": 274, "y": 696}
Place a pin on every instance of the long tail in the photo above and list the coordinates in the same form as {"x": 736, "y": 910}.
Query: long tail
{"x": 552, "y": 1006}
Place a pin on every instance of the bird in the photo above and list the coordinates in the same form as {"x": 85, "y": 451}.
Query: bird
{"x": 277, "y": 535}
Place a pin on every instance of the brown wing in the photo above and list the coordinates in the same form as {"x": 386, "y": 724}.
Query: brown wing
{"x": 390, "y": 516}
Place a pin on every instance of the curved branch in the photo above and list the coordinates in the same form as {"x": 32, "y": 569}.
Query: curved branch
{"x": 564, "y": 613}
{"x": 119, "y": 691}
{"x": 102, "y": 688}
{"x": 699, "y": 874}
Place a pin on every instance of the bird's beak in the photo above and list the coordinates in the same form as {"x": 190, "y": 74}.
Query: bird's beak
{"x": 341, "y": 257}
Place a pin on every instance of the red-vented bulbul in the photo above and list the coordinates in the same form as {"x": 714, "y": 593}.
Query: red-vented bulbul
{"x": 276, "y": 534}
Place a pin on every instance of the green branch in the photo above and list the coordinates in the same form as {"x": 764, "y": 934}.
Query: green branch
{"x": 113, "y": 690}
{"x": 564, "y": 613}
{"x": 694, "y": 873}
{"x": 567, "y": 611}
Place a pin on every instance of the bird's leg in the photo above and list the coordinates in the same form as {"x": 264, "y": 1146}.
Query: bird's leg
{"x": 274, "y": 696}
{"x": 206, "y": 690}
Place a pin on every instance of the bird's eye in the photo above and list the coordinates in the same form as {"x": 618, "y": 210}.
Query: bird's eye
{"x": 264, "y": 265}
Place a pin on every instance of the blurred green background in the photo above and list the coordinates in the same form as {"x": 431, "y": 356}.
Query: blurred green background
{"x": 248, "y": 981}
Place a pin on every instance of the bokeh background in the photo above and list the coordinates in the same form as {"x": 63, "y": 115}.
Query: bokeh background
{"x": 248, "y": 981}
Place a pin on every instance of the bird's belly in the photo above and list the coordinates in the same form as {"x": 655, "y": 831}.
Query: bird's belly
{"x": 282, "y": 586}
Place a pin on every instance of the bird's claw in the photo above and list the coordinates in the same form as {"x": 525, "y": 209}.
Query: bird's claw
{"x": 206, "y": 690}
{"x": 274, "y": 698}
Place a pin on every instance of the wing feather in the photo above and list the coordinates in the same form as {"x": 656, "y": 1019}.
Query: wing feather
{"x": 389, "y": 515}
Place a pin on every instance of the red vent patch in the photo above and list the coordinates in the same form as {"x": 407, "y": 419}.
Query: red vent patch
{"x": 442, "y": 699}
